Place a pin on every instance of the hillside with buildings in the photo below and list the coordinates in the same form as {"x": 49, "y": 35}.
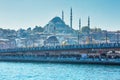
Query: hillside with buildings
{"x": 54, "y": 33}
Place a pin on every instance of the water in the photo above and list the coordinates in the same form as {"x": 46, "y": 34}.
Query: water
{"x": 51, "y": 71}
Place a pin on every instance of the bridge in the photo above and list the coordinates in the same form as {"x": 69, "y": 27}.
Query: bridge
{"x": 94, "y": 53}
{"x": 67, "y": 49}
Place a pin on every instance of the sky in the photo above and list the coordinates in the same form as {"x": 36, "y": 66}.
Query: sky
{"x": 16, "y": 14}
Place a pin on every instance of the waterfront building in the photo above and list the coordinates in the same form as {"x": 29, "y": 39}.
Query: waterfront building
{"x": 21, "y": 42}
{"x": 4, "y": 43}
{"x": 12, "y": 43}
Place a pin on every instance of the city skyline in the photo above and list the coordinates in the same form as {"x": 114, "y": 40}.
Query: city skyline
{"x": 28, "y": 13}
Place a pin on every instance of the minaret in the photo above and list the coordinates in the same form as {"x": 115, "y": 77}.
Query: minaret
{"x": 71, "y": 18}
{"x": 79, "y": 31}
{"x": 88, "y": 21}
{"x": 89, "y": 35}
{"x": 62, "y": 15}
{"x": 79, "y": 24}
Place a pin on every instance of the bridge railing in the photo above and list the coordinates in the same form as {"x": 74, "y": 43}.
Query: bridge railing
{"x": 66, "y": 47}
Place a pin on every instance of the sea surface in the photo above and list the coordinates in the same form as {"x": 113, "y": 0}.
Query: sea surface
{"x": 54, "y": 71}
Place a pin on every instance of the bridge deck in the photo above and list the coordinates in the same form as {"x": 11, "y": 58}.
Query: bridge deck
{"x": 67, "y": 47}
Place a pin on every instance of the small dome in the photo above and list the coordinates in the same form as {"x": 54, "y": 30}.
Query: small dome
{"x": 51, "y": 40}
